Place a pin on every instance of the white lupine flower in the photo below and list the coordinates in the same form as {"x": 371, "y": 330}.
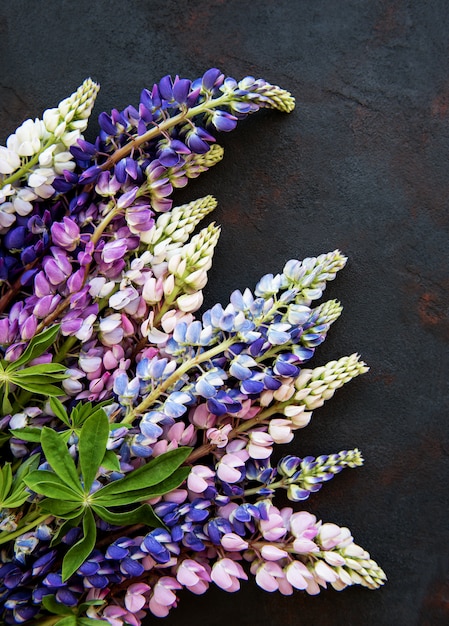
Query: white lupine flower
{"x": 9, "y": 161}
{"x": 190, "y": 302}
{"x": 26, "y": 141}
{"x": 46, "y": 157}
{"x": 22, "y": 201}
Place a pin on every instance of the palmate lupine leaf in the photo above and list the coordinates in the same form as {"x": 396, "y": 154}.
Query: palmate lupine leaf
{"x": 67, "y": 489}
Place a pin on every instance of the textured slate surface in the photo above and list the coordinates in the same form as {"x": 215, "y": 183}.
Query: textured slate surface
{"x": 361, "y": 165}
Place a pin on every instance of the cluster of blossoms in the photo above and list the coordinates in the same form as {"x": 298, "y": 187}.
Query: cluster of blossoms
{"x": 139, "y": 435}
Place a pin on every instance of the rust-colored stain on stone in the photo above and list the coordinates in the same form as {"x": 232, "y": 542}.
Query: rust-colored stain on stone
{"x": 433, "y": 311}
{"x": 440, "y": 104}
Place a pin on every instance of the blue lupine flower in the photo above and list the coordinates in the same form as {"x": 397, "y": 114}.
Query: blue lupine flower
{"x": 216, "y": 528}
{"x": 241, "y": 366}
{"x": 126, "y": 390}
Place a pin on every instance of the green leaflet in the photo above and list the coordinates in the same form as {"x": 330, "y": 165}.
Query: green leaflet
{"x": 59, "y": 410}
{"x": 149, "y": 474}
{"x": 110, "y": 461}
{"x": 92, "y": 445}
{"x": 36, "y": 347}
{"x": 58, "y": 456}
{"x": 79, "y": 552}
{"x": 13, "y": 491}
{"x": 103, "y": 498}
{"x": 50, "y": 603}
{"x": 61, "y": 508}
{"x": 28, "y": 433}
{"x": 144, "y": 514}
{"x": 51, "y": 485}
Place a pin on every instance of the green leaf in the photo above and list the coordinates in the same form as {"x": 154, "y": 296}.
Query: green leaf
{"x": 69, "y": 620}
{"x": 49, "y": 602}
{"x": 28, "y": 466}
{"x": 104, "y": 498}
{"x": 61, "y": 508}
{"x": 28, "y": 433}
{"x": 36, "y": 347}
{"x": 79, "y": 552}
{"x": 110, "y": 461}
{"x": 40, "y": 389}
{"x": 59, "y": 410}
{"x": 86, "y": 621}
{"x": 58, "y": 456}
{"x": 83, "y": 410}
{"x": 149, "y": 474}
{"x": 50, "y": 370}
{"x": 6, "y": 404}
{"x": 51, "y": 485}
{"x": 64, "y": 529}
{"x": 5, "y": 480}
{"x": 144, "y": 514}
{"x": 92, "y": 445}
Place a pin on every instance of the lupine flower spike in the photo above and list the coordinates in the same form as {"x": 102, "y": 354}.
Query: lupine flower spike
{"x": 137, "y": 434}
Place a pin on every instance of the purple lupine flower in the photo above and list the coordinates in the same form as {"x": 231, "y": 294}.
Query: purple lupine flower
{"x": 66, "y": 234}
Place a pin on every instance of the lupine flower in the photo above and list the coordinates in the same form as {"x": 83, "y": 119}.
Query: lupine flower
{"x": 105, "y": 279}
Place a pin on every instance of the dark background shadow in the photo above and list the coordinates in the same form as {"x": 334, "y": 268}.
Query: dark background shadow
{"x": 360, "y": 165}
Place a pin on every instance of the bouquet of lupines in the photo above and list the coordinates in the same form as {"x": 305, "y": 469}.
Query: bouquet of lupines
{"x": 137, "y": 437}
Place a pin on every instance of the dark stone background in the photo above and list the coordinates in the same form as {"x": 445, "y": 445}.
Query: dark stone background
{"x": 362, "y": 165}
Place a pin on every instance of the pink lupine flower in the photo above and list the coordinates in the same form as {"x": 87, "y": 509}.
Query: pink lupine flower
{"x": 297, "y": 574}
{"x": 331, "y": 535}
{"x": 274, "y": 527}
{"x": 219, "y": 436}
{"x": 259, "y": 446}
{"x": 234, "y": 543}
{"x": 135, "y": 596}
{"x": 304, "y": 529}
{"x": 194, "y": 576}
{"x": 112, "y": 357}
{"x": 267, "y": 575}
{"x": 163, "y": 598}
{"x": 273, "y": 553}
{"x": 197, "y": 479}
{"x": 227, "y": 468}
{"x": 202, "y": 417}
{"x": 118, "y": 616}
{"x": 248, "y": 410}
{"x": 227, "y": 574}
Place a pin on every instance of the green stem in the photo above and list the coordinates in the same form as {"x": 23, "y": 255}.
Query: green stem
{"x": 170, "y": 122}
{"x": 4, "y": 538}
{"x": 255, "y": 490}
{"x": 171, "y": 380}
